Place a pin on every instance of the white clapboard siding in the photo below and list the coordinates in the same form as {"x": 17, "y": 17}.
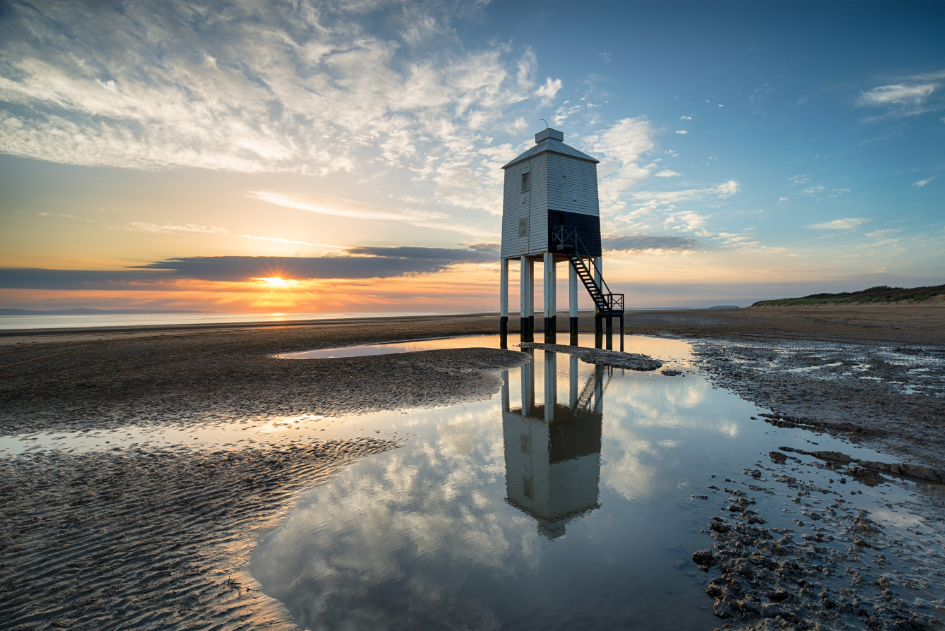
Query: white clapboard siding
{"x": 572, "y": 185}
{"x": 532, "y": 206}
{"x": 560, "y": 178}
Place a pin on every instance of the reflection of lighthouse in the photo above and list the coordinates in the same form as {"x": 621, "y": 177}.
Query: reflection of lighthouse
{"x": 552, "y": 451}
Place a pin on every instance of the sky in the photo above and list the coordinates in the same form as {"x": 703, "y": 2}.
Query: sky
{"x": 300, "y": 156}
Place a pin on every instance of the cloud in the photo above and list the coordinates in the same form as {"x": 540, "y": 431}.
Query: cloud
{"x": 151, "y": 228}
{"x": 726, "y": 189}
{"x": 550, "y": 88}
{"x": 821, "y": 190}
{"x": 685, "y": 118}
{"x": 361, "y": 262}
{"x": 638, "y": 243}
{"x": 300, "y": 87}
{"x": 479, "y": 253}
{"x": 340, "y": 207}
{"x": 606, "y": 57}
{"x": 621, "y": 148}
{"x": 563, "y": 112}
{"x": 921, "y": 183}
{"x": 681, "y": 132}
{"x": 667, "y": 173}
{"x": 911, "y": 96}
{"x": 902, "y": 95}
{"x": 847, "y": 223}
{"x": 877, "y": 234}
{"x": 782, "y": 199}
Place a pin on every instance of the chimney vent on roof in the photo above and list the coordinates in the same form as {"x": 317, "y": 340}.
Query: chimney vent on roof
{"x": 554, "y": 134}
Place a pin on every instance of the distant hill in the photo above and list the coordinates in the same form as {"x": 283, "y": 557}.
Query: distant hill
{"x": 881, "y": 294}
{"x": 27, "y": 312}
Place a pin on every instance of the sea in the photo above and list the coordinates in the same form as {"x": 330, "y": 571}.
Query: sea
{"x": 99, "y": 320}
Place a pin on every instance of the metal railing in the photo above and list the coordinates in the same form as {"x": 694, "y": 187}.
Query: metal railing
{"x": 567, "y": 240}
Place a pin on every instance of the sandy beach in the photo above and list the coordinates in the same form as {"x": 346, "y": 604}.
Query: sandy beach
{"x": 143, "y": 538}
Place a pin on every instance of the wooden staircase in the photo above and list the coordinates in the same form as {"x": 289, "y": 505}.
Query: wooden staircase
{"x": 567, "y": 241}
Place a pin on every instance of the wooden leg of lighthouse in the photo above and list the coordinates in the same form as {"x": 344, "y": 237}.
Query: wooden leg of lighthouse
{"x": 530, "y": 299}
{"x": 610, "y": 332}
{"x": 523, "y": 299}
{"x": 504, "y": 303}
{"x": 573, "y": 303}
{"x": 621, "y": 331}
{"x": 554, "y": 300}
{"x": 599, "y": 319}
{"x": 549, "y": 291}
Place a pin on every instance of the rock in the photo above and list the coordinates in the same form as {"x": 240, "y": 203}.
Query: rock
{"x": 832, "y": 455}
{"x": 722, "y": 610}
{"x": 777, "y": 457}
{"x": 671, "y": 373}
{"x": 704, "y": 559}
{"x": 631, "y": 361}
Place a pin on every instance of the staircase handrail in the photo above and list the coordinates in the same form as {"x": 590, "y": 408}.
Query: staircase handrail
{"x": 561, "y": 238}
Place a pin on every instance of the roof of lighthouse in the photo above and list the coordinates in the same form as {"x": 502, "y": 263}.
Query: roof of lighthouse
{"x": 551, "y": 140}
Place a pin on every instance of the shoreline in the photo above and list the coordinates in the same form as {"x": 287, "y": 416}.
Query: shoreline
{"x": 863, "y": 324}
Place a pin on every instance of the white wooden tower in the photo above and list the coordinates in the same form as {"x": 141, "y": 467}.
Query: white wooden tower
{"x": 551, "y": 213}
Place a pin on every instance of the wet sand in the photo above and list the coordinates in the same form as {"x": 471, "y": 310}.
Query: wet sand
{"x": 141, "y": 538}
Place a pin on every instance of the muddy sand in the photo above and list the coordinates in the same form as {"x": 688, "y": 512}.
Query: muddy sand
{"x": 147, "y": 538}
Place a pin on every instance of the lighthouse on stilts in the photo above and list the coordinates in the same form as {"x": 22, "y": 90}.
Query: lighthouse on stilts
{"x": 551, "y": 213}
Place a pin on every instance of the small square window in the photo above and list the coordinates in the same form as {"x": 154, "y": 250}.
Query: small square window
{"x": 525, "y": 182}
{"x": 522, "y": 227}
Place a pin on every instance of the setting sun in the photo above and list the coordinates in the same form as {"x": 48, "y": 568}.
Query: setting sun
{"x": 275, "y": 281}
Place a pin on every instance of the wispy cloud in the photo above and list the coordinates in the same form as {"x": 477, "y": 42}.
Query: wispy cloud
{"x": 340, "y": 207}
{"x": 822, "y": 191}
{"x": 726, "y": 189}
{"x": 685, "y": 118}
{"x": 883, "y": 234}
{"x": 911, "y": 96}
{"x": 303, "y": 87}
{"x": 152, "y": 228}
{"x": 922, "y": 183}
{"x": 622, "y": 147}
{"x": 639, "y": 243}
{"x": 682, "y": 132}
{"x": 847, "y": 223}
{"x": 549, "y": 89}
{"x": 667, "y": 173}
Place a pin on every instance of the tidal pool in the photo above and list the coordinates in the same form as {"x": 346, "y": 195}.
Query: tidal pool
{"x": 573, "y": 499}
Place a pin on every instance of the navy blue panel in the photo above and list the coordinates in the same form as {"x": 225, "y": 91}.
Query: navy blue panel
{"x": 588, "y": 227}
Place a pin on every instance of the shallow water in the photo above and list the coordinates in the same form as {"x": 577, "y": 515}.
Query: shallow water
{"x": 233, "y": 433}
{"x": 570, "y": 500}
{"x": 573, "y": 498}
{"x": 666, "y": 349}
